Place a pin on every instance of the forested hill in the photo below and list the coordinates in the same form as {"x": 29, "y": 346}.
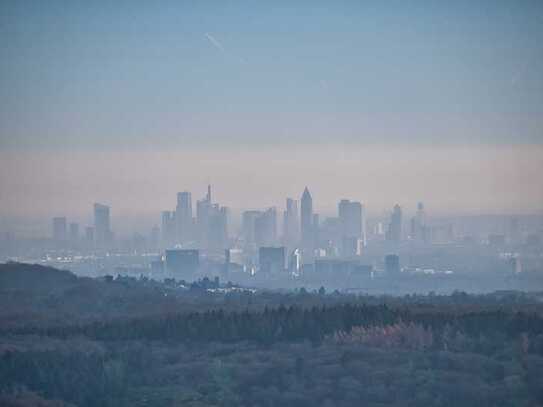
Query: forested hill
{"x": 34, "y": 295}
{"x": 66, "y": 340}
{"x": 33, "y": 277}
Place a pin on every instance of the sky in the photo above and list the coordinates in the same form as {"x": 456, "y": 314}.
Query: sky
{"x": 97, "y": 97}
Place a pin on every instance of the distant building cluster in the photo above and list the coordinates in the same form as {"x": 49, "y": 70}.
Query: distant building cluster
{"x": 290, "y": 242}
{"x": 99, "y": 236}
{"x": 259, "y": 246}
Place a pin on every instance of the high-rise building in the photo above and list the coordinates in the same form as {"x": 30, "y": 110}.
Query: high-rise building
{"x": 184, "y": 263}
{"x": 102, "y": 227}
{"x": 392, "y": 264}
{"x": 308, "y": 237}
{"x": 291, "y": 225}
{"x": 419, "y": 231}
{"x": 394, "y": 232}
{"x": 266, "y": 228}
{"x": 59, "y": 230}
{"x": 183, "y": 216}
{"x": 217, "y": 234}
{"x": 211, "y": 224}
{"x": 331, "y": 235}
{"x": 350, "y": 217}
{"x": 271, "y": 259}
{"x": 203, "y": 213}
{"x": 202, "y": 221}
{"x": 248, "y": 222}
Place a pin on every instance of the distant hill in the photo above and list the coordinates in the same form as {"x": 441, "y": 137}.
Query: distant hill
{"x": 33, "y": 277}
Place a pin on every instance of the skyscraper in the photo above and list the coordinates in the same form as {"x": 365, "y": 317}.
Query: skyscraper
{"x": 394, "y": 232}
{"x": 266, "y": 228}
{"x": 271, "y": 259}
{"x": 212, "y": 224}
{"x": 291, "y": 226}
{"x": 350, "y": 217}
{"x": 102, "y": 227}
{"x": 183, "y": 216}
{"x": 392, "y": 264}
{"x": 331, "y": 235}
{"x": 183, "y": 263}
{"x": 203, "y": 212}
{"x": 248, "y": 226}
{"x": 307, "y": 222}
{"x": 418, "y": 224}
{"x": 217, "y": 234}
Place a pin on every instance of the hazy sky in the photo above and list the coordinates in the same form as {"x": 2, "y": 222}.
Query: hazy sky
{"x": 129, "y": 102}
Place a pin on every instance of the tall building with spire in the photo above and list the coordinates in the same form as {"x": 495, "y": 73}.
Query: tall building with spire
{"x": 212, "y": 224}
{"x": 307, "y": 222}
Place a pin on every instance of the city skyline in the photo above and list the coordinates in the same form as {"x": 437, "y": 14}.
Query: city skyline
{"x": 130, "y": 222}
{"x": 498, "y": 180}
{"x": 213, "y": 226}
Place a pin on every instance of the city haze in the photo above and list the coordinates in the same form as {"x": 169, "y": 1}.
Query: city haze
{"x": 450, "y": 179}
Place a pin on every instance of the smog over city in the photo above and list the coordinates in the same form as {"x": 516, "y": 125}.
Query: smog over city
{"x": 271, "y": 203}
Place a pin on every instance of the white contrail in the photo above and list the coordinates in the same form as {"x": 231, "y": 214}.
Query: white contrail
{"x": 214, "y": 42}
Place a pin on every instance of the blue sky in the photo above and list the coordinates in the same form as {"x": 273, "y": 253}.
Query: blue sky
{"x": 134, "y": 75}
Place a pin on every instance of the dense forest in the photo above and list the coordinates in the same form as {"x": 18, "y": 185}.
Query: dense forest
{"x": 121, "y": 341}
